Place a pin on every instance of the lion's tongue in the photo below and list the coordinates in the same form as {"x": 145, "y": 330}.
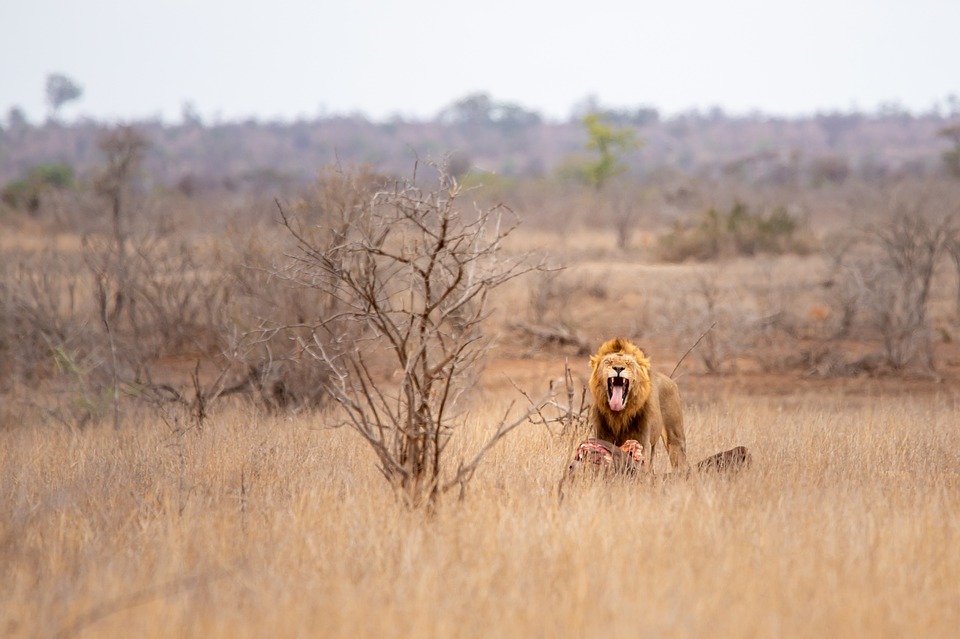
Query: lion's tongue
{"x": 616, "y": 398}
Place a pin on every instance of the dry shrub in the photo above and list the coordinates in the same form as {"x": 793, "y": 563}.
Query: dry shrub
{"x": 407, "y": 275}
{"x": 549, "y": 321}
{"x": 102, "y": 319}
{"x": 100, "y": 331}
{"x": 885, "y": 283}
{"x": 737, "y": 232}
{"x": 272, "y": 318}
{"x": 710, "y": 318}
{"x": 43, "y": 309}
{"x": 164, "y": 294}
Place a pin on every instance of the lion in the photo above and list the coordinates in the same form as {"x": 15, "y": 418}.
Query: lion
{"x": 631, "y": 402}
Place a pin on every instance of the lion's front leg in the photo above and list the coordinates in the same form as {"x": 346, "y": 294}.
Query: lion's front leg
{"x": 648, "y": 449}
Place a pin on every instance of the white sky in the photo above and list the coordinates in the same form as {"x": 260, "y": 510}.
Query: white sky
{"x": 288, "y": 58}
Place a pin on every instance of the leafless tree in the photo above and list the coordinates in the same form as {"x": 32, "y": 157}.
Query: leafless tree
{"x": 954, "y": 249}
{"x": 409, "y": 274}
{"x": 885, "y": 277}
{"x": 627, "y": 204}
{"x": 123, "y": 149}
{"x": 624, "y": 211}
{"x": 911, "y": 245}
{"x": 715, "y": 346}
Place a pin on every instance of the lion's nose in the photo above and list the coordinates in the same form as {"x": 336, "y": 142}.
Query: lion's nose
{"x": 619, "y": 369}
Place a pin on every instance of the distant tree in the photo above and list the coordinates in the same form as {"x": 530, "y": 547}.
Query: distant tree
{"x": 123, "y": 148}
{"x": 16, "y": 119}
{"x": 953, "y": 105}
{"x": 60, "y": 90}
{"x": 951, "y": 157}
{"x": 835, "y": 125}
{"x": 830, "y": 169}
{"x": 611, "y": 143}
{"x": 638, "y": 117}
{"x": 513, "y": 117}
{"x": 25, "y": 194}
{"x": 643, "y": 116}
{"x": 459, "y": 164}
{"x": 585, "y": 106}
{"x": 189, "y": 114}
{"x": 475, "y": 108}
{"x": 479, "y": 109}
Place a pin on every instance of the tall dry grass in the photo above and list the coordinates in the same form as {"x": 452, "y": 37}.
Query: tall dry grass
{"x": 256, "y": 526}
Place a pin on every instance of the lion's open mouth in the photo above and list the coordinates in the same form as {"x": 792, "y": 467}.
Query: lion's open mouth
{"x": 617, "y": 389}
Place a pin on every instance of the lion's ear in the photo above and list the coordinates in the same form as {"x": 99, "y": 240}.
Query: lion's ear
{"x": 594, "y": 360}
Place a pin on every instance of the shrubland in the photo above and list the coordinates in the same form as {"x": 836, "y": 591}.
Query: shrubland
{"x": 202, "y": 395}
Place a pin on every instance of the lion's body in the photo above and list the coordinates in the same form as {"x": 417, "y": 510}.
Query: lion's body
{"x": 632, "y": 402}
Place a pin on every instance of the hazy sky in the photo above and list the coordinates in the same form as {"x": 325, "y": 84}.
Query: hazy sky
{"x": 290, "y": 58}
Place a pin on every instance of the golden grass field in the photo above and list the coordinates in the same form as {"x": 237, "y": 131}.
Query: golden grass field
{"x": 270, "y": 525}
{"x": 846, "y": 525}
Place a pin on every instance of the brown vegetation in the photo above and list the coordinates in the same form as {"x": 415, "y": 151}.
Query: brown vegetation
{"x": 406, "y": 278}
{"x": 170, "y": 397}
{"x": 269, "y": 525}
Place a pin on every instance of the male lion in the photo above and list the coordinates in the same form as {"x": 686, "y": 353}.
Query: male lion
{"x": 630, "y": 402}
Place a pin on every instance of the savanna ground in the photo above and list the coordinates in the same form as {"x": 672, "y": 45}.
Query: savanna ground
{"x": 256, "y": 521}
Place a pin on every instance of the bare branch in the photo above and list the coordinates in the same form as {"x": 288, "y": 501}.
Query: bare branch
{"x": 407, "y": 277}
{"x": 691, "y": 349}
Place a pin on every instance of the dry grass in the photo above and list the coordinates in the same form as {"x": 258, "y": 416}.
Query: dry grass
{"x": 262, "y": 525}
{"x": 845, "y": 526}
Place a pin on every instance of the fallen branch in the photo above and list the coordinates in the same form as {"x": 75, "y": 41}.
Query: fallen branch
{"x": 560, "y": 335}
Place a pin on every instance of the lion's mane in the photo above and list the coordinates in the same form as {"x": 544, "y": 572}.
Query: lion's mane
{"x": 619, "y": 351}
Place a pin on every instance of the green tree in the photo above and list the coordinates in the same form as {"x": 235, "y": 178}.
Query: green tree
{"x": 60, "y": 90}
{"x": 611, "y": 143}
{"x": 25, "y": 194}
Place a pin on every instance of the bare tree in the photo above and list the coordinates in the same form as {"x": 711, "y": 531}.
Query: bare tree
{"x": 951, "y": 157}
{"x": 625, "y": 213}
{"x": 885, "y": 279}
{"x": 954, "y": 249}
{"x": 411, "y": 274}
{"x": 911, "y": 245}
{"x": 123, "y": 149}
{"x": 715, "y": 349}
